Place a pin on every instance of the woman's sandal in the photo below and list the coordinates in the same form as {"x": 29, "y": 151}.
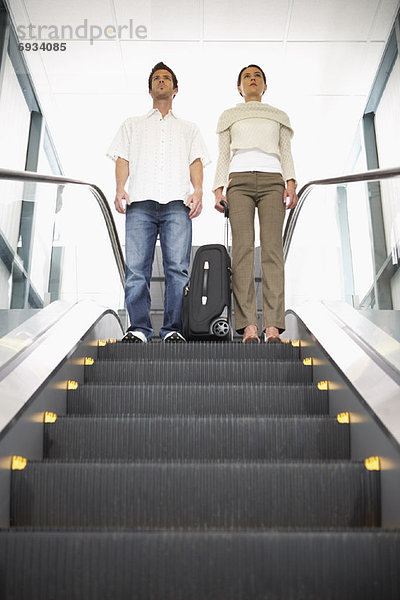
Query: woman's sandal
{"x": 272, "y": 339}
{"x": 251, "y": 337}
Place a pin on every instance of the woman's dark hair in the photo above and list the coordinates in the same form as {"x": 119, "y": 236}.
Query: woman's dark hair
{"x": 161, "y": 66}
{"x": 239, "y": 80}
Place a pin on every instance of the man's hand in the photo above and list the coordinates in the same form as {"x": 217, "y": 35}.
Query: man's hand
{"x": 121, "y": 176}
{"x": 194, "y": 202}
{"x": 120, "y": 196}
{"x": 219, "y": 197}
{"x": 289, "y": 195}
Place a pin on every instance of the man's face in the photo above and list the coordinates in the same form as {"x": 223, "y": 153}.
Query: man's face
{"x": 162, "y": 87}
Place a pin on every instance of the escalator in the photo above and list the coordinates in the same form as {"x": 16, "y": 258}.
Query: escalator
{"x": 240, "y": 487}
{"x": 209, "y": 471}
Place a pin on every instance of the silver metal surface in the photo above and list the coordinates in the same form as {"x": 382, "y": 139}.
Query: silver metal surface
{"x": 25, "y": 176}
{"x": 368, "y": 437}
{"x": 358, "y": 324}
{"x": 38, "y": 383}
{"x": 387, "y": 320}
{"x": 31, "y": 329}
{"x": 344, "y": 334}
{"x": 25, "y": 374}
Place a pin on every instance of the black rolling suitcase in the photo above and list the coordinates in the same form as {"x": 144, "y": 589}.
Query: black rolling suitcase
{"x": 206, "y": 308}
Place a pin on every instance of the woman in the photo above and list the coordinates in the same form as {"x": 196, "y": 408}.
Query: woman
{"x": 255, "y": 163}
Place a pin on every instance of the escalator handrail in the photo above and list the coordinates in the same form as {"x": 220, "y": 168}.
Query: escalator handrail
{"x": 29, "y": 176}
{"x": 372, "y": 175}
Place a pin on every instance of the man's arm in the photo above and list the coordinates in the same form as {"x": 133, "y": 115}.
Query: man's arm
{"x": 195, "y": 199}
{"x": 121, "y": 175}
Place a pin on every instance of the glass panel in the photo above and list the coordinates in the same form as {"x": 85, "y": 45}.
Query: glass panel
{"x": 14, "y": 121}
{"x": 314, "y": 262}
{"x": 60, "y": 250}
{"x": 360, "y": 240}
{"x": 331, "y": 257}
{"x": 83, "y": 250}
{"x": 387, "y": 123}
{"x": 387, "y": 127}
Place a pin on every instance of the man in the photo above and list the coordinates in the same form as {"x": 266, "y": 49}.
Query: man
{"x": 161, "y": 155}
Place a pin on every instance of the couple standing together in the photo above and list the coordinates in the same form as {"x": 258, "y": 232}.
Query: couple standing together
{"x": 163, "y": 157}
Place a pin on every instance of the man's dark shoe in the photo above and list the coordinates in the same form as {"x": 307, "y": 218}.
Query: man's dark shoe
{"x": 134, "y": 337}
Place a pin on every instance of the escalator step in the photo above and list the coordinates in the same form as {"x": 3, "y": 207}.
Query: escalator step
{"x": 199, "y": 350}
{"x": 203, "y": 399}
{"x": 195, "y": 495}
{"x": 197, "y": 438}
{"x": 219, "y": 371}
{"x": 82, "y": 565}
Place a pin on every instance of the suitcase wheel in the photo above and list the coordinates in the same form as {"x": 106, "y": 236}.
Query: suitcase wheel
{"x": 220, "y": 328}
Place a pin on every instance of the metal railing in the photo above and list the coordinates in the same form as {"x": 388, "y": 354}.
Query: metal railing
{"x": 26, "y": 176}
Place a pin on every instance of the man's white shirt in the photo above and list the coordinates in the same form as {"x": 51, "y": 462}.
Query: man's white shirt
{"x": 160, "y": 152}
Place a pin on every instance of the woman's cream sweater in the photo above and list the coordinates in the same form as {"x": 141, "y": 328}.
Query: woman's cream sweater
{"x": 253, "y": 125}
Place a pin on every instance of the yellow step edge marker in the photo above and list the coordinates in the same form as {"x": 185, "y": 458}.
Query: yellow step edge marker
{"x": 343, "y": 417}
{"x": 296, "y": 343}
{"x": 111, "y": 341}
{"x": 322, "y": 385}
{"x": 72, "y": 385}
{"x": 102, "y": 343}
{"x": 88, "y": 361}
{"x": 18, "y": 463}
{"x": 50, "y": 417}
{"x": 373, "y": 463}
{"x": 308, "y": 361}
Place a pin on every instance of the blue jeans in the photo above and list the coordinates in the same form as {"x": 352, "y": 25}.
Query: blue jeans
{"x": 144, "y": 221}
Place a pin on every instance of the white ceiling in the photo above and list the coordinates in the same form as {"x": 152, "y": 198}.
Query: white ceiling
{"x": 320, "y": 57}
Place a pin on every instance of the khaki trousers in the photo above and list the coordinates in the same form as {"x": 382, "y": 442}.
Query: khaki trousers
{"x": 246, "y": 191}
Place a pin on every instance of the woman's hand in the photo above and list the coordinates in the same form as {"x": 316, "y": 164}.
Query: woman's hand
{"x": 289, "y": 195}
{"x": 219, "y": 197}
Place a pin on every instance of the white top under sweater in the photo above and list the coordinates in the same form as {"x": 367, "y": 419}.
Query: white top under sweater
{"x": 253, "y": 125}
{"x": 254, "y": 160}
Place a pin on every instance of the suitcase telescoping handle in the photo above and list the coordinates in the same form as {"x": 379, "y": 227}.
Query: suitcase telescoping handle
{"x": 226, "y": 209}
{"x": 226, "y": 215}
{"x": 206, "y": 265}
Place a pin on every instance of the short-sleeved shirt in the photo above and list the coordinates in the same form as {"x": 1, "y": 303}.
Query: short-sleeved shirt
{"x": 160, "y": 152}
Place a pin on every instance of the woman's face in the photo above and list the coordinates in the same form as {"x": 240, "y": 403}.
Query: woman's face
{"x": 252, "y": 84}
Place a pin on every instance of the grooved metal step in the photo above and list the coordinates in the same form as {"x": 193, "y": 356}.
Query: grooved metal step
{"x": 202, "y": 399}
{"x": 204, "y": 350}
{"x": 195, "y": 495}
{"x": 85, "y": 565}
{"x": 198, "y": 371}
{"x": 197, "y": 438}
